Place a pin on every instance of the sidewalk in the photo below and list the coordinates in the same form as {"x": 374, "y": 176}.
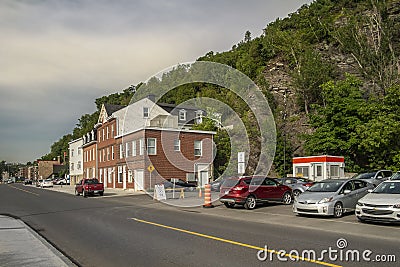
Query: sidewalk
{"x": 21, "y": 246}
{"x": 108, "y": 192}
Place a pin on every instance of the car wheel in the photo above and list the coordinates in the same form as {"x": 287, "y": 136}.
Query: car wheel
{"x": 287, "y": 198}
{"x": 84, "y": 194}
{"x": 250, "y": 203}
{"x": 338, "y": 210}
{"x": 76, "y": 193}
{"x": 101, "y": 193}
{"x": 360, "y": 220}
{"x": 229, "y": 205}
{"x": 296, "y": 193}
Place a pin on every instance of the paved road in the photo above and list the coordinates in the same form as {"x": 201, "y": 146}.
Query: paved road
{"x": 137, "y": 231}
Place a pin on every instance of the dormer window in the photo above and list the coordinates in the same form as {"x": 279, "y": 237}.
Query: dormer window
{"x": 145, "y": 112}
{"x": 199, "y": 116}
{"x": 182, "y": 115}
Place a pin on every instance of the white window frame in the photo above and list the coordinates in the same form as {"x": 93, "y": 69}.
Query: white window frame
{"x": 199, "y": 116}
{"x": 198, "y": 146}
{"x": 146, "y": 112}
{"x": 72, "y": 166}
{"x": 134, "y": 148}
{"x": 141, "y": 146}
{"x": 130, "y": 176}
{"x": 108, "y": 153}
{"x": 112, "y": 130}
{"x": 150, "y": 148}
{"x": 121, "y": 151}
{"x": 120, "y": 174}
{"x": 72, "y": 153}
{"x": 127, "y": 150}
{"x": 182, "y": 115}
{"x": 177, "y": 145}
{"x": 112, "y": 153}
{"x": 108, "y": 133}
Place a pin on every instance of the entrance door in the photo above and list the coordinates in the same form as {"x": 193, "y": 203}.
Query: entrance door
{"x": 318, "y": 172}
{"x": 139, "y": 180}
{"x": 202, "y": 174}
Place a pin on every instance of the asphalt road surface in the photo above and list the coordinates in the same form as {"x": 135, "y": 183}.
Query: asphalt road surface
{"x": 137, "y": 231}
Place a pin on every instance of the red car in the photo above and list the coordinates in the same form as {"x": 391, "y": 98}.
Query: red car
{"x": 252, "y": 190}
{"x": 89, "y": 187}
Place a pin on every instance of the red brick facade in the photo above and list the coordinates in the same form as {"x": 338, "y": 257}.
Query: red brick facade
{"x": 106, "y": 153}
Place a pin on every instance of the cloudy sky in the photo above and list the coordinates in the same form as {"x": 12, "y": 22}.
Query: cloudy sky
{"x": 57, "y": 57}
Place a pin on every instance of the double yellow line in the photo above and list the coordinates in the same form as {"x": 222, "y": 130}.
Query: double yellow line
{"x": 26, "y": 191}
{"x": 238, "y": 243}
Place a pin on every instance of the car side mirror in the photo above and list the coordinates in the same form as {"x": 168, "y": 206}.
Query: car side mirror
{"x": 370, "y": 190}
{"x": 347, "y": 191}
{"x": 379, "y": 177}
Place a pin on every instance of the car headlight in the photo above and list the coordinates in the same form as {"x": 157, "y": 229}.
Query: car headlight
{"x": 397, "y": 206}
{"x": 325, "y": 200}
{"x": 360, "y": 204}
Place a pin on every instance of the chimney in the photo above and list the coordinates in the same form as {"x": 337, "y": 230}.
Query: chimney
{"x": 59, "y": 159}
{"x": 152, "y": 98}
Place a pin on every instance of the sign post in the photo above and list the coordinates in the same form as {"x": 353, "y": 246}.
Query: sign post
{"x": 150, "y": 169}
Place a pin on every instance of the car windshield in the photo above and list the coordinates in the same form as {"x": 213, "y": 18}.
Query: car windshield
{"x": 395, "y": 176}
{"x": 365, "y": 175}
{"x": 387, "y": 188}
{"x": 92, "y": 181}
{"x": 256, "y": 181}
{"x": 328, "y": 186}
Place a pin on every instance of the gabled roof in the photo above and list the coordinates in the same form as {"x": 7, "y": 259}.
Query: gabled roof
{"x": 107, "y": 110}
{"x": 170, "y": 107}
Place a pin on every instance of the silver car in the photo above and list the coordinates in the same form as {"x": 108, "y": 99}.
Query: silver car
{"x": 331, "y": 197}
{"x": 298, "y": 184}
{"x": 376, "y": 177}
{"x": 382, "y": 204}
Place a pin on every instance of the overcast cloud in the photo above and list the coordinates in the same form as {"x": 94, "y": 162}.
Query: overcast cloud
{"x": 57, "y": 57}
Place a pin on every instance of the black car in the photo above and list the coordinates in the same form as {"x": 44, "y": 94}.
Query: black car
{"x": 178, "y": 183}
{"x": 27, "y": 181}
{"x": 216, "y": 184}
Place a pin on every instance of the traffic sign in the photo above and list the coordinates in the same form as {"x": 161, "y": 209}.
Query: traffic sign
{"x": 150, "y": 168}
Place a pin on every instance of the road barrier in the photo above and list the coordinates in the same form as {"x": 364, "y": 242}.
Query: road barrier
{"x": 207, "y": 197}
{"x": 200, "y": 195}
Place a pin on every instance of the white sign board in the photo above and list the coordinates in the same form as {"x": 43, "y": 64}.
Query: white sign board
{"x": 241, "y": 163}
{"x": 159, "y": 192}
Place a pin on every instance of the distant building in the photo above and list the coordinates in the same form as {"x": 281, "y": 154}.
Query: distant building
{"x": 33, "y": 172}
{"x": 50, "y": 168}
{"x": 318, "y": 168}
{"x": 75, "y": 160}
{"x": 89, "y": 147}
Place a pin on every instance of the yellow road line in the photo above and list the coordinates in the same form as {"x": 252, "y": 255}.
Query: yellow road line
{"x": 24, "y": 190}
{"x": 237, "y": 243}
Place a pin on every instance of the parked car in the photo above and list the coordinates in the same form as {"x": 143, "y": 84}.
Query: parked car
{"x": 89, "y": 187}
{"x": 47, "y": 183}
{"x": 39, "y": 182}
{"x": 252, "y": 190}
{"x": 298, "y": 184}
{"x": 178, "y": 183}
{"x": 60, "y": 181}
{"x": 375, "y": 177}
{"x": 10, "y": 181}
{"x": 382, "y": 204}
{"x": 395, "y": 176}
{"x": 331, "y": 197}
{"x": 27, "y": 181}
{"x": 216, "y": 184}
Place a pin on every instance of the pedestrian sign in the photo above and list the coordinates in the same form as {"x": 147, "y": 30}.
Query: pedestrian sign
{"x": 150, "y": 168}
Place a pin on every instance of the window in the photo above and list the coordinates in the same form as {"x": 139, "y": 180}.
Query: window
{"x": 197, "y": 148}
{"x": 177, "y": 145}
{"x": 133, "y": 148}
{"x": 145, "y": 112}
{"x": 72, "y": 166}
{"x": 110, "y": 172}
{"x": 334, "y": 171}
{"x": 101, "y": 175}
{"x": 72, "y": 153}
{"x": 104, "y": 155}
{"x": 120, "y": 174}
{"x": 151, "y": 146}
{"x": 121, "y": 151}
{"x": 108, "y": 153}
{"x": 302, "y": 171}
{"x": 141, "y": 147}
{"x": 182, "y": 115}
{"x": 199, "y": 116}
{"x": 108, "y": 133}
{"x": 79, "y": 165}
{"x": 112, "y": 153}
{"x": 94, "y": 154}
{"x": 128, "y": 152}
{"x": 130, "y": 180}
{"x": 79, "y": 151}
{"x": 104, "y": 135}
{"x": 112, "y": 130}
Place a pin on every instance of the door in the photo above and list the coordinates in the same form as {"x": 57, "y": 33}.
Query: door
{"x": 124, "y": 177}
{"x": 139, "y": 180}
{"x": 349, "y": 200}
{"x": 318, "y": 172}
{"x": 202, "y": 174}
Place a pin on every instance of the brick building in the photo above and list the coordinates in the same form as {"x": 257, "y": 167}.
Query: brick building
{"x": 89, "y": 147}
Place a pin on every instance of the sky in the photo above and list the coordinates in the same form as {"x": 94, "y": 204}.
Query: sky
{"x": 57, "y": 57}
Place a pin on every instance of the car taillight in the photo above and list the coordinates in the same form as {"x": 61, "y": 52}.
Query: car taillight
{"x": 238, "y": 188}
{"x": 308, "y": 184}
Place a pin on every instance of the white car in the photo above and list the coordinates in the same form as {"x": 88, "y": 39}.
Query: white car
{"x": 47, "y": 183}
{"x": 382, "y": 204}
